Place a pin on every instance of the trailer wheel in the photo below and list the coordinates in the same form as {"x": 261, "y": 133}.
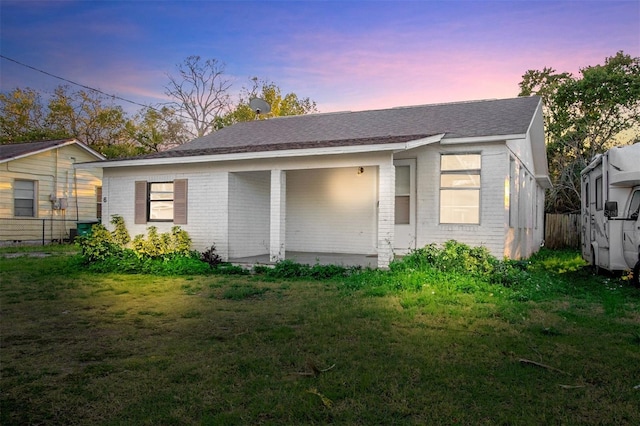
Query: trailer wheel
{"x": 635, "y": 279}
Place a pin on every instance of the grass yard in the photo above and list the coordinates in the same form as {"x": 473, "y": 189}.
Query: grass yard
{"x": 117, "y": 349}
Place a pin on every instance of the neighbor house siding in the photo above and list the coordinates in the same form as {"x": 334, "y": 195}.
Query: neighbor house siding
{"x": 54, "y": 174}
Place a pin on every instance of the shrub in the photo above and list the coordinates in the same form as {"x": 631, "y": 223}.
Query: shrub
{"x": 211, "y": 256}
{"x": 168, "y": 253}
{"x": 120, "y": 234}
{"x": 159, "y": 245}
{"x": 290, "y": 269}
{"x": 99, "y": 245}
{"x": 452, "y": 257}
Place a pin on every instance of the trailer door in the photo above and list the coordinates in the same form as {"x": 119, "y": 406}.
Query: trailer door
{"x": 631, "y": 230}
{"x": 586, "y": 220}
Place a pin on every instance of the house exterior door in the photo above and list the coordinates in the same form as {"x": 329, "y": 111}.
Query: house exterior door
{"x": 405, "y": 205}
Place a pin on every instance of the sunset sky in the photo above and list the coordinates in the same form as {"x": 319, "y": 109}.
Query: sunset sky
{"x": 348, "y": 55}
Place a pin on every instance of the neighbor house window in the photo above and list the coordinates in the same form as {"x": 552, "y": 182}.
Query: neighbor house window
{"x": 161, "y": 201}
{"x": 99, "y": 202}
{"x": 460, "y": 188}
{"x": 24, "y": 198}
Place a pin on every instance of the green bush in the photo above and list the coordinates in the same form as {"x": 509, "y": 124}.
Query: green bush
{"x": 452, "y": 257}
{"x": 454, "y": 266}
{"x": 99, "y": 245}
{"x": 159, "y": 245}
{"x": 120, "y": 235}
{"x": 290, "y": 269}
{"x": 168, "y": 253}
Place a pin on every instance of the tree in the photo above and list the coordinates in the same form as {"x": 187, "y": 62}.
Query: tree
{"x": 585, "y": 116}
{"x": 86, "y": 115}
{"x": 200, "y": 91}
{"x": 281, "y": 106}
{"x": 156, "y": 130}
{"x": 22, "y": 117}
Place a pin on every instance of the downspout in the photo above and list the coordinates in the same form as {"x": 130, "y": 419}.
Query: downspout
{"x": 55, "y": 192}
{"x": 75, "y": 187}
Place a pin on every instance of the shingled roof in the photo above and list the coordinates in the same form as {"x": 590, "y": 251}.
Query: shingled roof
{"x": 455, "y": 120}
{"x": 17, "y": 150}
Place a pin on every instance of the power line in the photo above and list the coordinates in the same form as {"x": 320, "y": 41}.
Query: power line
{"x": 94, "y": 89}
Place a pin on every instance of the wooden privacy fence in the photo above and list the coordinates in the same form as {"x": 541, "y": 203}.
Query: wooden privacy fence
{"x": 562, "y": 231}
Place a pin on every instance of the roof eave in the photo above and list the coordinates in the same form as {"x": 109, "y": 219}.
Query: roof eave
{"x": 481, "y": 139}
{"x": 67, "y": 143}
{"x": 301, "y": 152}
{"x": 544, "y": 181}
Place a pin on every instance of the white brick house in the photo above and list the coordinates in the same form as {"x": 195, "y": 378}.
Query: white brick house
{"x": 376, "y": 183}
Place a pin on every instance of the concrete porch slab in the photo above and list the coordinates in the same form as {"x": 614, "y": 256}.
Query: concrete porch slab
{"x": 313, "y": 258}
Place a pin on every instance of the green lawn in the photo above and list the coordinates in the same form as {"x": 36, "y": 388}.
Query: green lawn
{"x": 115, "y": 349}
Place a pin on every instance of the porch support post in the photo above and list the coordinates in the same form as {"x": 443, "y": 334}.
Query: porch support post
{"x": 386, "y": 213}
{"x": 278, "y": 215}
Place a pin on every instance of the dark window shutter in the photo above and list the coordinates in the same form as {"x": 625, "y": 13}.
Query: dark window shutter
{"x": 180, "y": 201}
{"x": 140, "y": 215}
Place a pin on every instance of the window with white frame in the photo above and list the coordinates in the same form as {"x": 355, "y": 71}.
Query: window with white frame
{"x": 160, "y": 201}
{"x": 24, "y": 198}
{"x": 460, "y": 188}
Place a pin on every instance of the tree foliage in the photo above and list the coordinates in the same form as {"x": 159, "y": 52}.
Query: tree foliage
{"x": 585, "y": 116}
{"x": 91, "y": 118}
{"x": 157, "y": 130}
{"x": 281, "y": 105}
{"x": 22, "y": 117}
{"x": 201, "y": 104}
{"x": 85, "y": 115}
{"x": 88, "y": 116}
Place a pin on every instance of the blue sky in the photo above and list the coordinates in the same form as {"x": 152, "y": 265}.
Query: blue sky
{"x": 348, "y": 55}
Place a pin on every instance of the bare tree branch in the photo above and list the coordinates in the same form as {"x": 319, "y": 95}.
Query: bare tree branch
{"x": 201, "y": 91}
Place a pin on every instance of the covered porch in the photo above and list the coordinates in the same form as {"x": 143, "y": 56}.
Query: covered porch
{"x": 338, "y": 211}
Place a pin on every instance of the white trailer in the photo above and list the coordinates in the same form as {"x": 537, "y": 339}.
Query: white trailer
{"x": 610, "y": 188}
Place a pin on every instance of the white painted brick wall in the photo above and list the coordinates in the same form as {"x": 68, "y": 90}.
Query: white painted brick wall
{"x": 207, "y": 206}
{"x": 386, "y": 213}
{"x": 332, "y": 210}
{"x": 495, "y": 169}
{"x": 249, "y": 211}
{"x": 278, "y": 215}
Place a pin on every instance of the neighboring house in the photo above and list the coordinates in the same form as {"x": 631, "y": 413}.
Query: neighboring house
{"x": 375, "y": 183}
{"x": 42, "y": 195}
